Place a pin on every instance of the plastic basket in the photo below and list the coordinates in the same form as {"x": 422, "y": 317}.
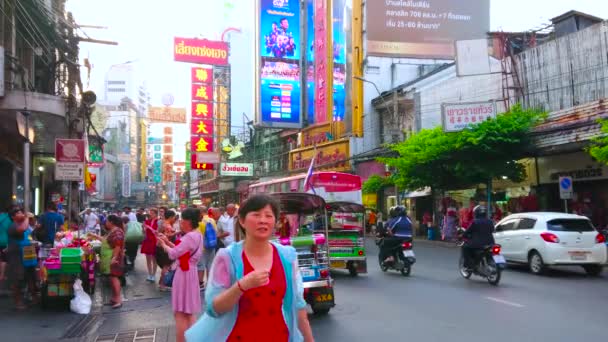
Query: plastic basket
{"x": 70, "y": 255}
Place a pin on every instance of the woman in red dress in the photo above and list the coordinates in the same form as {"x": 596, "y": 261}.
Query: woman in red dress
{"x": 255, "y": 290}
{"x": 148, "y": 246}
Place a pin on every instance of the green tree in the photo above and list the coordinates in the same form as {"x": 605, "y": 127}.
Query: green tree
{"x": 486, "y": 151}
{"x": 376, "y": 183}
{"x": 599, "y": 145}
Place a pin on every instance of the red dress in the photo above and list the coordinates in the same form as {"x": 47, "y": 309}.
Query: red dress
{"x": 148, "y": 246}
{"x": 260, "y": 316}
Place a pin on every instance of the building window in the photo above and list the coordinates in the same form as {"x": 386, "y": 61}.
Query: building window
{"x": 117, "y": 82}
{"x": 116, "y": 90}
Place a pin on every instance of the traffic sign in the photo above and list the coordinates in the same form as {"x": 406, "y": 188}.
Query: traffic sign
{"x": 565, "y": 188}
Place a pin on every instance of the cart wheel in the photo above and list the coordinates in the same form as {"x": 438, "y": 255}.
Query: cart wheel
{"x": 320, "y": 312}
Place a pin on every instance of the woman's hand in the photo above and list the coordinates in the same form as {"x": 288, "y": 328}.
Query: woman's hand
{"x": 255, "y": 279}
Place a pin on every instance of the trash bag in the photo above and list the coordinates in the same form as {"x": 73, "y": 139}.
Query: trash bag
{"x": 81, "y": 304}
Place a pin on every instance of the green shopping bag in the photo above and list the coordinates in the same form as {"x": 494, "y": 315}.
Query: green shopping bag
{"x": 106, "y": 257}
{"x": 135, "y": 233}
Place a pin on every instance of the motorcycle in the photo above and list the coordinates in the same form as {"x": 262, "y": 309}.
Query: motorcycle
{"x": 489, "y": 264}
{"x": 403, "y": 257}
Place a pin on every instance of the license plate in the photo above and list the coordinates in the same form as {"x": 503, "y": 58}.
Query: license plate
{"x": 578, "y": 256}
{"x": 338, "y": 264}
{"x": 408, "y": 254}
{"x": 307, "y": 273}
{"x": 499, "y": 259}
{"x": 325, "y": 297}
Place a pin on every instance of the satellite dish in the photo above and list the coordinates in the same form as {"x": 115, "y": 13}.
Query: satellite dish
{"x": 168, "y": 100}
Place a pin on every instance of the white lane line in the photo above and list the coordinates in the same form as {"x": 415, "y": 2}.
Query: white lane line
{"x": 505, "y": 302}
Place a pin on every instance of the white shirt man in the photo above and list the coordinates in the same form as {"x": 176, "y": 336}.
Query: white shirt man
{"x": 226, "y": 225}
{"x": 91, "y": 221}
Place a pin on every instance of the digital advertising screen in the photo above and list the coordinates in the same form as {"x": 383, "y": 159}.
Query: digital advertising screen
{"x": 280, "y": 91}
{"x": 280, "y": 63}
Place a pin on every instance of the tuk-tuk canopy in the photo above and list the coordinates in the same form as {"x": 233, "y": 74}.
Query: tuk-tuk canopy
{"x": 299, "y": 202}
{"x": 345, "y": 207}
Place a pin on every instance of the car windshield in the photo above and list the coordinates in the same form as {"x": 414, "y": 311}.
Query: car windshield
{"x": 570, "y": 225}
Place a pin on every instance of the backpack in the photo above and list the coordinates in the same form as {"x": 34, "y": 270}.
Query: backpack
{"x": 210, "y": 241}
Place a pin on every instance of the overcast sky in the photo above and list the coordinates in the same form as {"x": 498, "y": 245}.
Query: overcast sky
{"x": 145, "y": 29}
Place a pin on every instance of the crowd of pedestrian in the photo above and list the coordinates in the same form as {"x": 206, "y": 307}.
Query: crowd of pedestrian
{"x": 198, "y": 249}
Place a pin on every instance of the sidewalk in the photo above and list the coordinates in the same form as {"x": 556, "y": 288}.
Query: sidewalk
{"x": 146, "y": 316}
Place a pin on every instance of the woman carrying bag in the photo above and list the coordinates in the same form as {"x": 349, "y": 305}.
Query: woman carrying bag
{"x": 112, "y": 257}
{"x": 133, "y": 238}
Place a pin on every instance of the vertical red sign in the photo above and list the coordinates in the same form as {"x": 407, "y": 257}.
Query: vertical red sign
{"x": 202, "y": 126}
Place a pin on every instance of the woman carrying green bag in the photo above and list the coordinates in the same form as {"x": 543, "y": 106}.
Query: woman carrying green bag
{"x": 135, "y": 235}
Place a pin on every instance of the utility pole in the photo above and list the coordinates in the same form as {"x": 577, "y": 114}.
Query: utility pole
{"x": 26, "y": 164}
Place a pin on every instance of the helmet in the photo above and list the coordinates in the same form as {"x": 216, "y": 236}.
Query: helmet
{"x": 392, "y": 212}
{"x": 400, "y": 210}
{"x": 480, "y": 211}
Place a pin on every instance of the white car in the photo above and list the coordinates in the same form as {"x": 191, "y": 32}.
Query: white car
{"x": 551, "y": 239}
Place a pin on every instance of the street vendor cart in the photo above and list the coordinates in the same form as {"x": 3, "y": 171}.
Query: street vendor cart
{"x": 299, "y": 212}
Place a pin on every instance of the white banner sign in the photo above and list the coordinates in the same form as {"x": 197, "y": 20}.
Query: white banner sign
{"x": 458, "y": 116}
{"x": 236, "y": 169}
{"x": 126, "y": 180}
{"x": 66, "y": 171}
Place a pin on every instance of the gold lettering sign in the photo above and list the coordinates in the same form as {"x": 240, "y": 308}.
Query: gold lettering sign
{"x": 167, "y": 115}
{"x": 334, "y": 156}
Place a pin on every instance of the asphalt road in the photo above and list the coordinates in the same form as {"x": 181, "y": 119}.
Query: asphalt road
{"x": 436, "y": 304}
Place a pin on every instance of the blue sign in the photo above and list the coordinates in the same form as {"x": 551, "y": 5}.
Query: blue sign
{"x": 566, "y": 183}
{"x": 280, "y": 64}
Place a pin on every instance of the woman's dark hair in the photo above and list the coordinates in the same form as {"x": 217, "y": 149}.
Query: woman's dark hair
{"x": 125, "y": 219}
{"x": 192, "y": 215}
{"x": 14, "y": 211}
{"x": 258, "y": 202}
{"x": 116, "y": 221}
{"x": 169, "y": 214}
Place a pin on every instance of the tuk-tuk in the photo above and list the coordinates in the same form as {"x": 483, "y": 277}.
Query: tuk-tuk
{"x": 300, "y": 214}
{"x": 347, "y": 237}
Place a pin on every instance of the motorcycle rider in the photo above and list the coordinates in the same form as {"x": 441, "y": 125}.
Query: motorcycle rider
{"x": 478, "y": 236}
{"x": 398, "y": 229}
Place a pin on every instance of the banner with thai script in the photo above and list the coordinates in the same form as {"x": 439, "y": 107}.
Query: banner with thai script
{"x": 458, "y": 116}
{"x": 200, "y": 51}
{"x": 236, "y": 169}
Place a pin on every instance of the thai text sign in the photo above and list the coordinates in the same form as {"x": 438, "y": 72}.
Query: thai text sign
{"x": 315, "y": 135}
{"x": 458, "y": 116}
{"x": 236, "y": 169}
{"x": 167, "y": 114}
{"x": 70, "y": 158}
{"x": 330, "y": 156}
{"x": 200, "y": 51}
{"x": 413, "y": 28}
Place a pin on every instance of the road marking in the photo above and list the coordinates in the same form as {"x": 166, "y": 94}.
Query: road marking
{"x": 506, "y": 302}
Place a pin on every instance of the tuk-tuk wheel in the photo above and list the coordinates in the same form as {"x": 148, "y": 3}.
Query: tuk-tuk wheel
{"x": 352, "y": 270}
{"x": 320, "y": 312}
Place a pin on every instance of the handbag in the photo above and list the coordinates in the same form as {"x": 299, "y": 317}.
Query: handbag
{"x": 30, "y": 259}
{"x": 168, "y": 279}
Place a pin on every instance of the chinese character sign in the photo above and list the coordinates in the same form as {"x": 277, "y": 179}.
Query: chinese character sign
{"x": 202, "y": 117}
{"x": 458, "y": 116}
